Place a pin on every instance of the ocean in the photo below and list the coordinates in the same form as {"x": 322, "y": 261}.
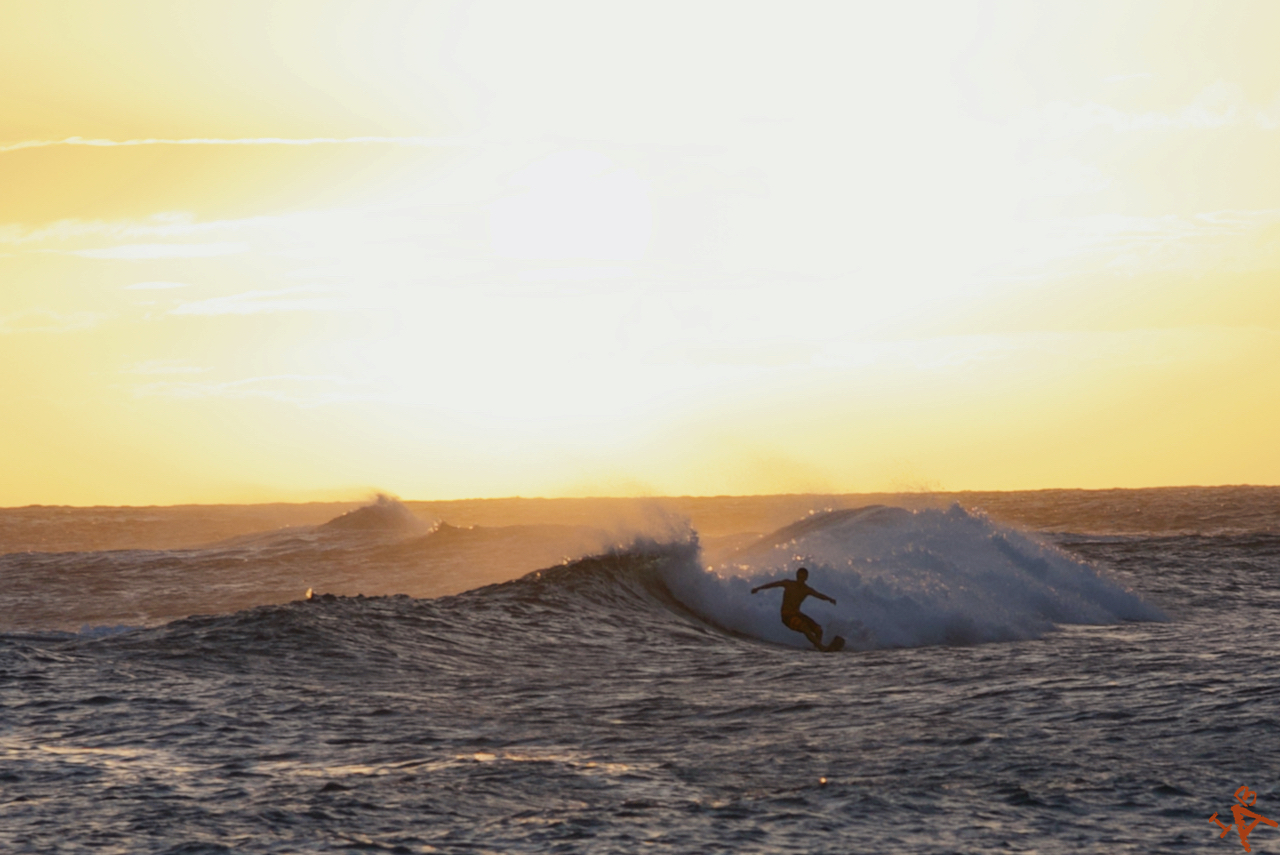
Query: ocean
{"x": 1048, "y": 671}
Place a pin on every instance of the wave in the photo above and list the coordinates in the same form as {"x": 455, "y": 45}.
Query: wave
{"x": 384, "y": 515}
{"x": 66, "y": 591}
{"x": 380, "y": 549}
{"x": 910, "y": 578}
{"x": 609, "y": 601}
{"x": 900, "y": 578}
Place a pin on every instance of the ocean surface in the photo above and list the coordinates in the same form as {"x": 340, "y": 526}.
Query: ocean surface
{"x": 1051, "y": 671}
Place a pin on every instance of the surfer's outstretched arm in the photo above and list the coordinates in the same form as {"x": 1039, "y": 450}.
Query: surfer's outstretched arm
{"x": 814, "y": 593}
{"x": 778, "y": 584}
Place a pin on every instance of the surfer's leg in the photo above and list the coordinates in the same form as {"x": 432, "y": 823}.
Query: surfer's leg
{"x": 812, "y": 631}
{"x": 805, "y": 625}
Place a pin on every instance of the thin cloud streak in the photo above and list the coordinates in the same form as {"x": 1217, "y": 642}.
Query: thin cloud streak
{"x": 160, "y": 225}
{"x": 47, "y": 321}
{"x": 162, "y": 366}
{"x": 297, "y": 389}
{"x": 1217, "y": 106}
{"x": 145, "y": 251}
{"x": 1029, "y": 351}
{"x": 417, "y": 142}
{"x": 260, "y": 302}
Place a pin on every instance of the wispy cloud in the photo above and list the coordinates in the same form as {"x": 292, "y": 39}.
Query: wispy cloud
{"x": 48, "y": 321}
{"x": 144, "y": 251}
{"x": 155, "y": 286}
{"x": 1217, "y": 106}
{"x": 417, "y": 142}
{"x": 1204, "y": 241}
{"x": 167, "y": 224}
{"x": 260, "y": 302}
{"x": 299, "y": 389}
{"x": 1230, "y": 240}
{"x": 1124, "y": 78}
{"x": 162, "y": 366}
{"x": 1030, "y": 351}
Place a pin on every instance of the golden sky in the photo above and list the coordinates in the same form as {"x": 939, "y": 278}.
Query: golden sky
{"x": 290, "y": 250}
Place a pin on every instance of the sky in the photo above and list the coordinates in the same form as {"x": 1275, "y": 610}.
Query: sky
{"x": 265, "y": 251}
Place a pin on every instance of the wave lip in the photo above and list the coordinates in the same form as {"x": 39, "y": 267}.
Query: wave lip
{"x": 911, "y": 578}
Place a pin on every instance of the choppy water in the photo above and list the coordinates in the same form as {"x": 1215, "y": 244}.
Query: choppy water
{"x": 1092, "y": 689}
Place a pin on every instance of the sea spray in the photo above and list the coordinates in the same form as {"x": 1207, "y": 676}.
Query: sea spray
{"x": 908, "y": 578}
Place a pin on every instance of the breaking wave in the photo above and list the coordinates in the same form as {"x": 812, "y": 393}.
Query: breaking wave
{"x": 900, "y": 579}
{"x": 384, "y": 515}
{"x": 909, "y": 578}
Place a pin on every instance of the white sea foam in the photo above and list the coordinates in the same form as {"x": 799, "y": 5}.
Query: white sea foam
{"x": 909, "y": 578}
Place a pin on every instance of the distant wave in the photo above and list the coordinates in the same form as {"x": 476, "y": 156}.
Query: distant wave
{"x": 374, "y": 550}
{"x": 385, "y": 514}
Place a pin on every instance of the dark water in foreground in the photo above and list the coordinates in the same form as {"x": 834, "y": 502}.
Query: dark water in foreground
{"x": 1000, "y": 692}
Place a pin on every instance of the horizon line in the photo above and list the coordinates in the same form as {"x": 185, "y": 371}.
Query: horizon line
{"x": 921, "y": 493}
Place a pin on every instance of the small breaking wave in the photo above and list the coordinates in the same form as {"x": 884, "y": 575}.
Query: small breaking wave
{"x": 384, "y": 515}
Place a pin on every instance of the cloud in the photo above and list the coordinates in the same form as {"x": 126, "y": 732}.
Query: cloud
{"x": 416, "y": 142}
{"x": 1216, "y": 240}
{"x": 300, "y": 389}
{"x": 166, "y": 224}
{"x": 1124, "y": 78}
{"x": 155, "y": 286}
{"x": 965, "y": 356}
{"x": 47, "y": 321}
{"x": 144, "y": 251}
{"x": 1270, "y": 117}
{"x": 162, "y": 366}
{"x": 1219, "y": 105}
{"x": 260, "y": 302}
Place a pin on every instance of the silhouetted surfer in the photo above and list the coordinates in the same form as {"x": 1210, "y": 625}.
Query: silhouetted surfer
{"x": 793, "y": 593}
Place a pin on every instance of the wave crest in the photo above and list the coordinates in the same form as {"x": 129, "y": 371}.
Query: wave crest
{"x": 385, "y": 514}
{"x": 909, "y": 578}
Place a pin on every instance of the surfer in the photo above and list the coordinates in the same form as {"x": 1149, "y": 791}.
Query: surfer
{"x": 793, "y": 593}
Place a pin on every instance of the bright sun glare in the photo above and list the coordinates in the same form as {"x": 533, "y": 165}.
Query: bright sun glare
{"x": 461, "y": 249}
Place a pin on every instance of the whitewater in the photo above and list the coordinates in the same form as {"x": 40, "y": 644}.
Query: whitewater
{"x": 1042, "y": 672}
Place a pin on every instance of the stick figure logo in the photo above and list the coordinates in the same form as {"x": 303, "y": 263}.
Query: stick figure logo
{"x": 1247, "y": 798}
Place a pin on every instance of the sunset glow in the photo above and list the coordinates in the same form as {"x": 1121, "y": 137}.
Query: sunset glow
{"x": 285, "y": 250}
